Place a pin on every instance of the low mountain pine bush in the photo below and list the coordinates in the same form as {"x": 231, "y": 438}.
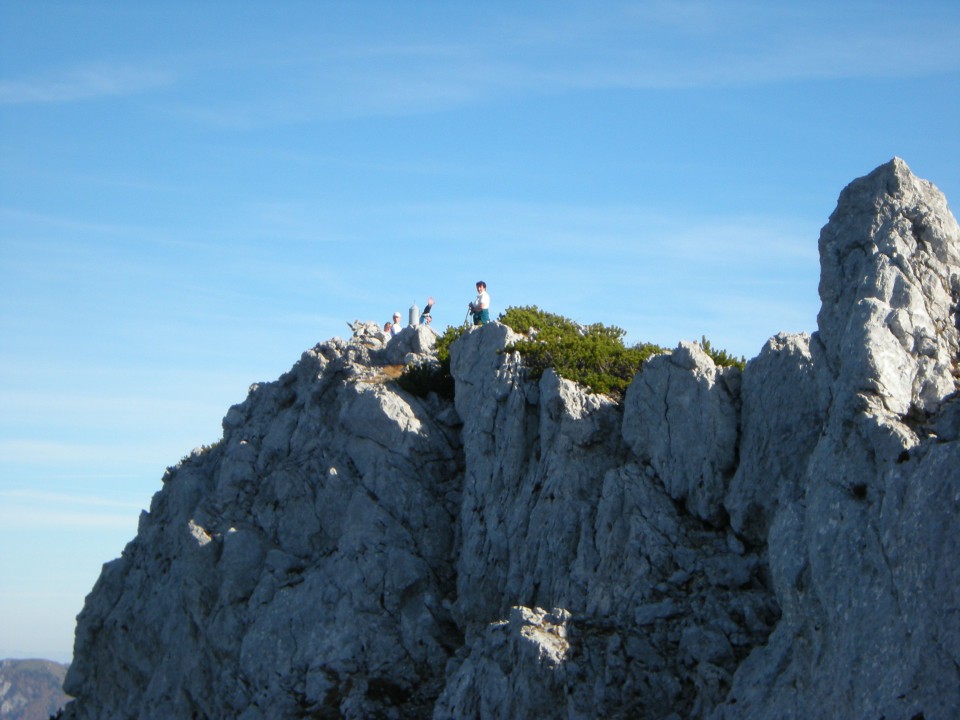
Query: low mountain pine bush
{"x": 721, "y": 357}
{"x": 592, "y": 355}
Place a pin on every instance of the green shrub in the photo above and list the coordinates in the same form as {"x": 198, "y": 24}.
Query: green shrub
{"x": 592, "y": 355}
{"x": 721, "y": 357}
{"x": 421, "y": 380}
{"x": 446, "y": 340}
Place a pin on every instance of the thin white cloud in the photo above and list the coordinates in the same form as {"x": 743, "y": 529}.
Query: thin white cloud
{"x": 686, "y": 45}
{"x": 741, "y": 242}
{"x": 132, "y": 459}
{"x": 25, "y": 218}
{"x": 33, "y": 518}
{"x": 645, "y": 46}
{"x": 46, "y": 498}
{"x": 47, "y": 453}
{"x": 639, "y": 230}
{"x": 29, "y": 508}
{"x": 657, "y": 45}
{"x": 84, "y": 83}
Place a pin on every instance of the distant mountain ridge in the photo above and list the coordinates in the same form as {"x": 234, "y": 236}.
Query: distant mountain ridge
{"x": 31, "y": 689}
{"x": 778, "y": 542}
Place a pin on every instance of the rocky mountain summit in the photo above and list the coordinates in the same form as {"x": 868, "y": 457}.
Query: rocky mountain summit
{"x": 777, "y": 542}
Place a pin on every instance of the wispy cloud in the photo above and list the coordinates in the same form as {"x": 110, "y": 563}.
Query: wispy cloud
{"x": 402, "y": 71}
{"x": 618, "y": 228}
{"x": 699, "y": 44}
{"x": 31, "y": 508}
{"x": 655, "y": 45}
{"x": 11, "y": 215}
{"x": 47, "y": 498}
{"x": 48, "y": 453}
{"x": 32, "y": 518}
{"x": 83, "y": 83}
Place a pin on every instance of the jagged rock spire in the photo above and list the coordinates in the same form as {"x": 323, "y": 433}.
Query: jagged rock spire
{"x": 890, "y": 288}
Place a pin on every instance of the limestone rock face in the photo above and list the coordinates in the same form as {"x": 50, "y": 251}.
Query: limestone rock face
{"x": 681, "y": 417}
{"x": 783, "y": 403}
{"x": 779, "y": 542}
{"x": 857, "y": 541}
{"x": 889, "y": 282}
{"x": 303, "y": 565}
{"x": 557, "y": 513}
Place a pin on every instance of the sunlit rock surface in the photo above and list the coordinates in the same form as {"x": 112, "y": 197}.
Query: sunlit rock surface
{"x": 779, "y": 542}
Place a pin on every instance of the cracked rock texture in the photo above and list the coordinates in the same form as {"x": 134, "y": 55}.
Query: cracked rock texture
{"x": 779, "y": 542}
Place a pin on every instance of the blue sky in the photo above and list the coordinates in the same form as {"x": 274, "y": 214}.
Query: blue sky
{"x": 191, "y": 194}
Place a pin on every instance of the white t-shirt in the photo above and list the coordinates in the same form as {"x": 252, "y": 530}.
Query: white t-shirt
{"x": 395, "y": 328}
{"x": 482, "y": 302}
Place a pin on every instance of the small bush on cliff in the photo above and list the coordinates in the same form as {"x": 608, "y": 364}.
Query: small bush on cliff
{"x": 421, "y": 380}
{"x": 592, "y": 355}
{"x": 721, "y": 357}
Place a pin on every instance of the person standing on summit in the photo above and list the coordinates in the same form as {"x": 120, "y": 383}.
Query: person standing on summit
{"x": 481, "y": 306}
